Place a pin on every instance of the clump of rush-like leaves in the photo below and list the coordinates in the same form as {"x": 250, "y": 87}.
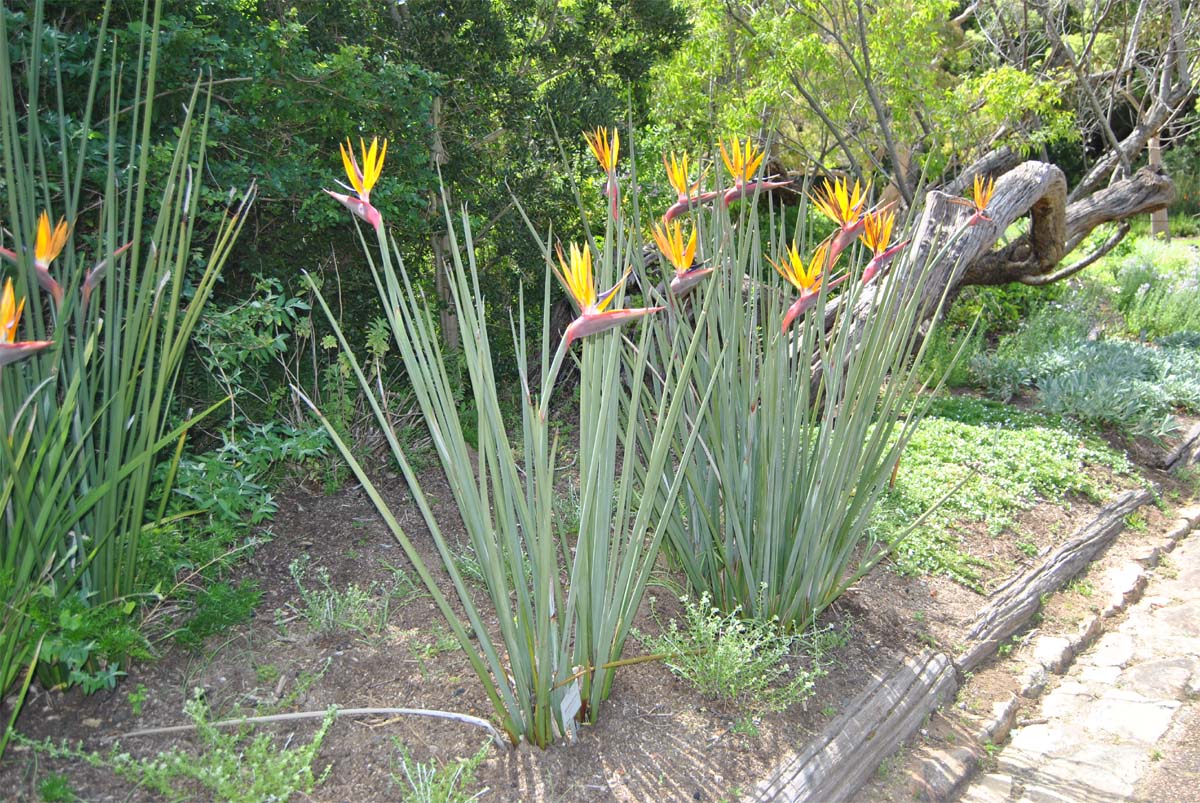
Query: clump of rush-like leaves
{"x": 96, "y": 312}
{"x": 562, "y": 603}
{"x": 815, "y": 395}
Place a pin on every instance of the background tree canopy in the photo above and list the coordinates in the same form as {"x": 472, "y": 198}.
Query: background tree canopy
{"x": 488, "y": 96}
{"x": 474, "y": 89}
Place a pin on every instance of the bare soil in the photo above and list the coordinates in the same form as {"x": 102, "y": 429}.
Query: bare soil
{"x": 657, "y": 739}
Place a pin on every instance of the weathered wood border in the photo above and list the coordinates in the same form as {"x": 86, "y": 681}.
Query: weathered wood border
{"x": 1017, "y": 600}
{"x": 876, "y": 722}
{"x": 1185, "y": 452}
{"x": 845, "y": 755}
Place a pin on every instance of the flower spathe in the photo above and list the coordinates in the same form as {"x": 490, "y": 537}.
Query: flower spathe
{"x": 669, "y": 238}
{"x": 362, "y": 180}
{"x": 841, "y": 204}
{"x": 844, "y": 206}
{"x": 577, "y": 279}
{"x": 877, "y": 235}
{"x": 742, "y": 160}
{"x": 10, "y": 317}
{"x": 982, "y": 193}
{"x": 806, "y": 278}
{"x": 47, "y": 246}
{"x": 688, "y": 194}
{"x": 606, "y": 148}
{"x": 10, "y": 313}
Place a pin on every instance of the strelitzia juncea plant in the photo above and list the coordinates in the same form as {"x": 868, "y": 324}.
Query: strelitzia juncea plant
{"x": 809, "y": 415}
{"x": 95, "y": 327}
{"x": 561, "y": 603}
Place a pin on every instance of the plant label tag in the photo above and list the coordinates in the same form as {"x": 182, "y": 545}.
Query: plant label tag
{"x": 570, "y": 706}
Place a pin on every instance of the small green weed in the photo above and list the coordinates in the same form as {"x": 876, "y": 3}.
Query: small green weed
{"x": 1082, "y": 587}
{"x": 1028, "y": 549}
{"x": 746, "y": 726}
{"x": 1136, "y": 521}
{"x": 328, "y": 610}
{"x": 230, "y": 766}
{"x": 266, "y": 674}
{"x": 56, "y": 788}
{"x": 443, "y": 641}
{"x": 738, "y": 662}
{"x": 404, "y": 588}
{"x": 429, "y": 783}
{"x": 218, "y": 607}
{"x": 137, "y": 699}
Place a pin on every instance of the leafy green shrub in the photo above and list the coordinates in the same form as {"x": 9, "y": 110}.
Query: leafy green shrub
{"x": 1183, "y": 340}
{"x": 1022, "y": 355}
{"x": 949, "y": 355}
{"x": 1159, "y": 289}
{"x": 87, "y": 643}
{"x": 1002, "y": 310}
{"x": 1128, "y": 386}
{"x": 742, "y": 663}
{"x": 245, "y": 346}
{"x": 217, "y": 607}
{"x": 230, "y": 483}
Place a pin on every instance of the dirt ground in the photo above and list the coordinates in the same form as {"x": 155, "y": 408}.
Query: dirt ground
{"x": 656, "y": 740}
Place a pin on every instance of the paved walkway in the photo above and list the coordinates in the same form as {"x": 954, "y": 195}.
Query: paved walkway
{"x": 1122, "y": 714}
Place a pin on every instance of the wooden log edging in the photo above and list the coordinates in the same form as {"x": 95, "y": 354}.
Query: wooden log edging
{"x": 835, "y": 764}
{"x": 1017, "y": 600}
{"x": 1186, "y": 452}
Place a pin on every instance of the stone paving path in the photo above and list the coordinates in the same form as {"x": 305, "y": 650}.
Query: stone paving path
{"x": 1105, "y": 727}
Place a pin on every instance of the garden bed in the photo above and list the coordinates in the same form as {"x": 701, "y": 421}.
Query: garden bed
{"x": 656, "y": 738}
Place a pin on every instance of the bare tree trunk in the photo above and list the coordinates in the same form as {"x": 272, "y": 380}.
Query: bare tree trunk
{"x": 1159, "y": 222}
{"x": 439, "y": 242}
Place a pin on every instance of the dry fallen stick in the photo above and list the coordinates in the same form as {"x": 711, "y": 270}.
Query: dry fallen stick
{"x": 338, "y": 712}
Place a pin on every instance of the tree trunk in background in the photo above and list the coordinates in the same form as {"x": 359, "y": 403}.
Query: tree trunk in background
{"x": 438, "y": 240}
{"x": 1159, "y": 222}
{"x": 959, "y": 255}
